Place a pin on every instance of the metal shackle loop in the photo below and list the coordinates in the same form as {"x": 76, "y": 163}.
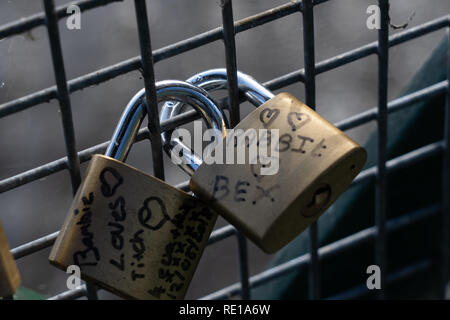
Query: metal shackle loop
{"x": 211, "y": 80}
{"x": 216, "y": 79}
{"x": 169, "y": 90}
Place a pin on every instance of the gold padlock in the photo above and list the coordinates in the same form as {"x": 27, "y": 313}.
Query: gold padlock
{"x": 129, "y": 232}
{"x": 9, "y": 274}
{"x": 317, "y": 163}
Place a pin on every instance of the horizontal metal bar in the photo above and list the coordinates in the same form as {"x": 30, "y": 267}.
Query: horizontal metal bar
{"x": 134, "y": 63}
{"x": 38, "y": 19}
{"x": 90, "y": 79}
{"x": 391, "y": 278}
{"x": 362, "y": 236}
{"x": 418, "y": 31}
{"x": 360, "y": 53}
{"x": 180, "y": 119}
{"x": 71, "y": 294}
{"x": 325, "y": 252}
{"x": 402, "y": 161}
{"x": 85, "y": 155}
{"x": 184, "y": 186}
{"x": 290, "y": 266}
{"x": 34, "y": 246}
{"x": 285, "y": 80}
{"x": 368, "y": 174}
{"x": 56, "y": 166}
{"x": 216, "y": 236}
{"x": 394, "y": 40}
{"x": 221, "y": 234}
{"x": 317, "y": 2}
{"x": 394, "y": 105}
{"x": 28, "y": 23}
{"x": 217, "y": 33}
{"x": 48, "y": 240}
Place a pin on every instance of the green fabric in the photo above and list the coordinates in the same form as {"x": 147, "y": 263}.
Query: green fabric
{"x": 27, "y": 294}
{"x": 409, "y": 189}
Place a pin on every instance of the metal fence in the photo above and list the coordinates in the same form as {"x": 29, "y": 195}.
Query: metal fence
{"x": 307, "y": 75}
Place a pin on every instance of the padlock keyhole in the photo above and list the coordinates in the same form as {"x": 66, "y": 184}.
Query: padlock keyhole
{"x": 320, "y": 199}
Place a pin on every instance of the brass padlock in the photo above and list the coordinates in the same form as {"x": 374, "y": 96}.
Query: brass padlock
{"x": 317, "y": 163}
{"x": 129, "y": 232}
{"x": 9, "y": 274}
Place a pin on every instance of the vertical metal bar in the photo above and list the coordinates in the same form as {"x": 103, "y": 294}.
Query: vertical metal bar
{"x": 445, "y": 186}
{"x": 310, "y": 97}
{"x": 63, "y": 93}
{"x": 150, "y": 88}
{"x": 243, "y": 266}
{"x": 233, "y": 95}
{"x": 381, "y": 182}
{"x": 64, "y": 104}
{"x": 230, "y": 57}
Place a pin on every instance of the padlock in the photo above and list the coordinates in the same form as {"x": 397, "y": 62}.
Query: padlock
{"x": 317, "y": 163}
{"x": 129, "y": 232}
{"x": 9, "y": 274}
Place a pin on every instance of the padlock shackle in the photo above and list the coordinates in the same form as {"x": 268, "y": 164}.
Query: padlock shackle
{"x": 169, "y": 90}
{"x": 127, "y": 128}
{"x": 210, "y": 80}
{"x": 216, "y": 79}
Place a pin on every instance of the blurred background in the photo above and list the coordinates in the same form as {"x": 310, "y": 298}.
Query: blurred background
{"x": 108, "y": 35}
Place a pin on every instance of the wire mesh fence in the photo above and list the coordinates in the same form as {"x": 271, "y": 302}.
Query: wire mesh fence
{"x": 145, "y": 61}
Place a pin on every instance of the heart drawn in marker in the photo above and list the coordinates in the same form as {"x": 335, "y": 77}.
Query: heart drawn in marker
{"x": 297, "y": 120}
{"x": 268, "y": 116}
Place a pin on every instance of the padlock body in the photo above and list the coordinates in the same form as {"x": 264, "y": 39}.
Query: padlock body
{"x": 317, "y": 162}
{"x": 133, "y": 234}
{"x": 9, "y": 274}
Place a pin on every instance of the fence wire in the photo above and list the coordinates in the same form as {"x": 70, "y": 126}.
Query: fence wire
{"x": 145, "y": 62}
